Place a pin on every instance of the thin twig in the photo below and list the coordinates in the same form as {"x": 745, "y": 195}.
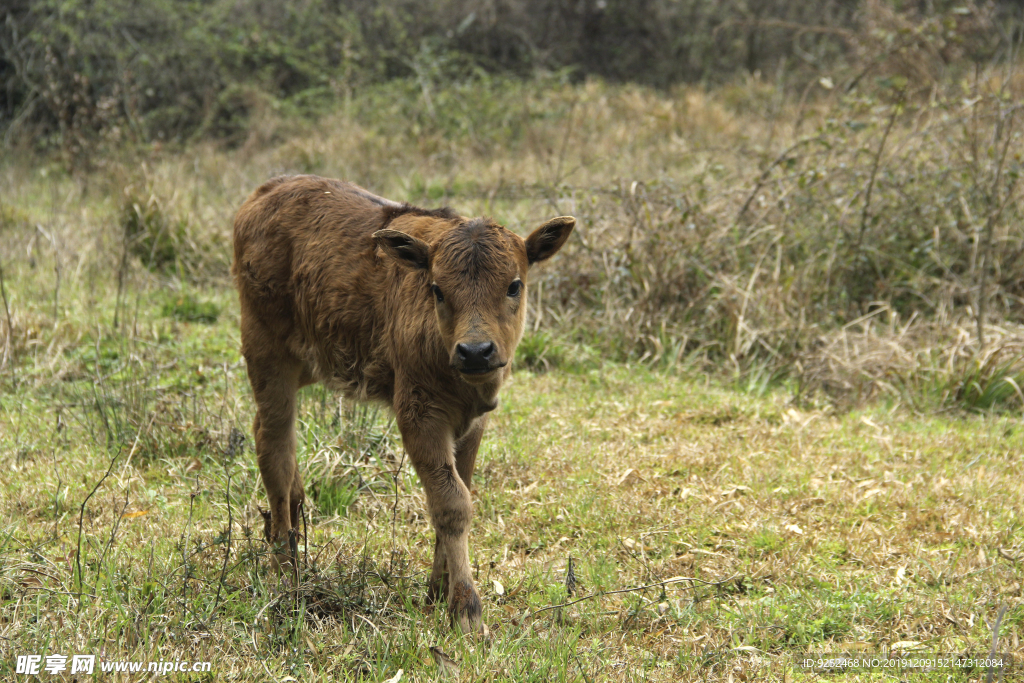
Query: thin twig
{"x": 227, "y": 553}
{"x": 662, "y": 584}
{"x": 874, "y": 170}
{"x": 764, "y": 175}
{"x": 113, "y": 533}
{"x": 81, "y": 515}
{"x": 586, "y": 678}
{"x": 120, "y": 517}
{"x": 185, "y": 538}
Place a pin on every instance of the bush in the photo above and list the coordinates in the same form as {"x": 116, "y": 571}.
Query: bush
{"x": 76, "y": 74}
{"x": 117, "y": 69}
{"x": 164, "y": 242}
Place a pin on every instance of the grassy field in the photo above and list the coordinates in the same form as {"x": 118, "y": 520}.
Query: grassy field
{"x": 815, "y": 531}
{"x": 720, "y": 519}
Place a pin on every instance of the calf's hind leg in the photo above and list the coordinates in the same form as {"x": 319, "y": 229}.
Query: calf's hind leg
{"x": 275, "y": 383}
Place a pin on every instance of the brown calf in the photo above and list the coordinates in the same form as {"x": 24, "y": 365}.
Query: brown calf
{"x": 418, "y": 309}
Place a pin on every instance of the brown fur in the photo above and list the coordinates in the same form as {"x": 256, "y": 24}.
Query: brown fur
{"x": 340, "y": 286}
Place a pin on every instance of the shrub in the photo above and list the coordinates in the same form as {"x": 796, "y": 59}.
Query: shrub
{"x": 116, "y": 70}
{"x": 150, "y": 236}
{"x": 77, "y": 75}
{"x": 164, "y": 242}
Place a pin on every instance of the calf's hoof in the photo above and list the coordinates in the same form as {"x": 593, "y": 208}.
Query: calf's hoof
{"x": 282, "y": 563}
{"x": 465, "y": 608}
{"x": 284, "y": 558}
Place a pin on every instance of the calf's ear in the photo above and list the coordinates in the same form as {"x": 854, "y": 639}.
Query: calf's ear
{"x": 545, "y": 241}
{"x": 404, "y": 248}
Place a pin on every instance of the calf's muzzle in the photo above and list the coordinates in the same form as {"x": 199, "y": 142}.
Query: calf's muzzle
{"x": 476, "y": 358}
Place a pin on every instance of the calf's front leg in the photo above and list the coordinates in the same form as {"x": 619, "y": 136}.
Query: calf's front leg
{"x": 465, "y": 461}
{"x": 431, "y": 449}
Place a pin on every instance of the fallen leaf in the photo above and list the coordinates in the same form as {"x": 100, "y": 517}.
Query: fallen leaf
{"x": 629, "y": 477}
{"x": 872, "y": 492}
{"x": 498, "y": 588}
{"x": 867, "y": 420}
{"x": 735, "y": 491}
{"x": 523, "y": 491}
{"x": 396, "y": 678}
{"x": 795, "y": 529}
{"x": 445, "y": 663}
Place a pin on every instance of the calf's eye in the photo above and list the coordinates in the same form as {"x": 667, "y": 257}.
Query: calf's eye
{"x": 515, "y": 288}
{"x": 437, "y": 293}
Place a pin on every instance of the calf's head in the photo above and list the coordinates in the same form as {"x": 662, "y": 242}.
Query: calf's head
{"x": 476, "y": 279}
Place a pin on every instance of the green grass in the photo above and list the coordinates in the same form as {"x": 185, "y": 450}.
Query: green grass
{"x": 816, "y": 531}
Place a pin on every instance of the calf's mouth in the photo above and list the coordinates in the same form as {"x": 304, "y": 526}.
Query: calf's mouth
{"x": 479, "y": 371}
{"x": 477, "y": 358}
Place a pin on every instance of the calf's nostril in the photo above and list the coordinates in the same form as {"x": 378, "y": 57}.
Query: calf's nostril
{"x": 477, "y": 352}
